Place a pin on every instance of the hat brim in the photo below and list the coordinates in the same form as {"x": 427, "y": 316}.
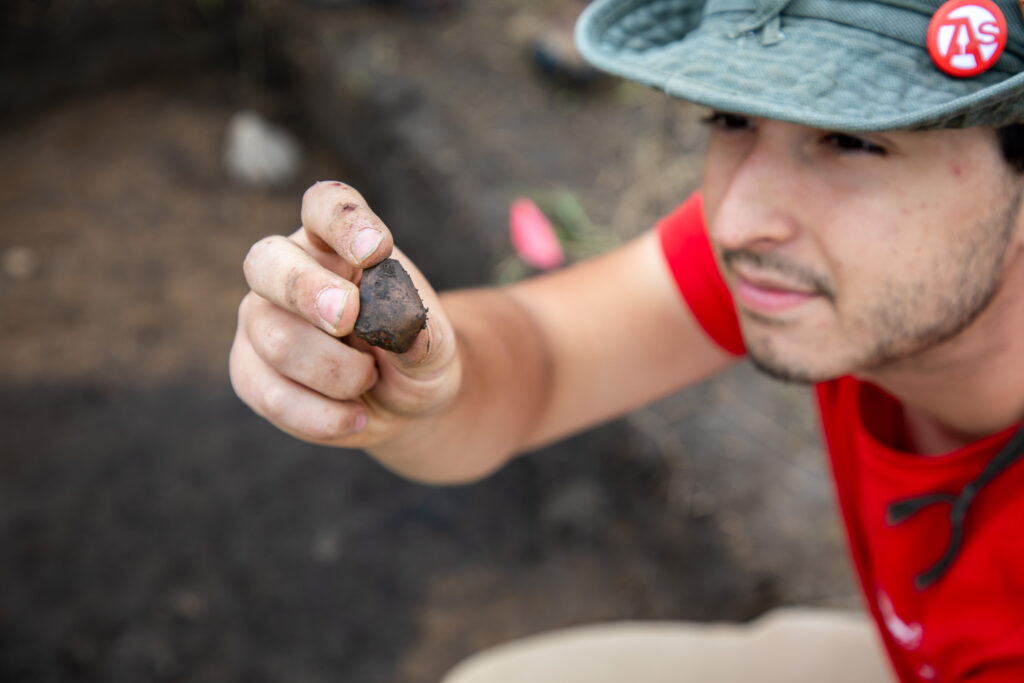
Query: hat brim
{"x": 822, "y": 73}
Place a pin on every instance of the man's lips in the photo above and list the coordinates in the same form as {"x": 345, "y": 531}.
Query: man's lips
{"x": 761, "y": 295}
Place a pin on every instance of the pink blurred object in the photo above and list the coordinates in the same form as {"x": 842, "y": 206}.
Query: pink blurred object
{"x": 532, "y": 236}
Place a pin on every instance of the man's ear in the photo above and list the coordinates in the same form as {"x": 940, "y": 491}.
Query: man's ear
{"x": 1010, "y": 139}
{"x": 1018, "y": 231}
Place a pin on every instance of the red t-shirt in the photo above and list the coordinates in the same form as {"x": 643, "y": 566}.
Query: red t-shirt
{"x": 969, "y": 624}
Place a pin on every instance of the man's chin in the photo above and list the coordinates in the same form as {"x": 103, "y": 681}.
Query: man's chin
{"x": 788, "y": 371}
{"x": 792, "y": 354}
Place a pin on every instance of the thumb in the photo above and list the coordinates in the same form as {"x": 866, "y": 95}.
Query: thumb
{"x": 423, "y": 379}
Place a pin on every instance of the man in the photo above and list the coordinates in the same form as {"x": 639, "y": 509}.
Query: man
{"x": 859, "y": 227}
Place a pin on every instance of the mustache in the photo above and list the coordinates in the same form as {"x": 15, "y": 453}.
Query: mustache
{"x": 795, "y": 273}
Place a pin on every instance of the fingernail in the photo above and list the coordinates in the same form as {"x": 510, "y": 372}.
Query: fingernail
{"x": 330, "y": 304}
{"x": 366, "y": 242}
{"x": 360, "y": 422}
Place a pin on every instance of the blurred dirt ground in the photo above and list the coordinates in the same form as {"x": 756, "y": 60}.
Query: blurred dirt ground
{"x": 154, "y": 529}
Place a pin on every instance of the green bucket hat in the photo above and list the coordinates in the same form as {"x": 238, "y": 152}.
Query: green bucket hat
{"x": 834, "y": 64}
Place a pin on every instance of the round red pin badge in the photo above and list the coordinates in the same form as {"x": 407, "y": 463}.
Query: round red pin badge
{"x": 966, "y": 37}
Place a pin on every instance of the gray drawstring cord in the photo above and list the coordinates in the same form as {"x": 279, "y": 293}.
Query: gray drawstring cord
{"x": 765, "y": 18}
{"x": 902, "y": 510}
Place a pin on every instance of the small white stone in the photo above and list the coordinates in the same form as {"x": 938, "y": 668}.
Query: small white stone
{"x": 19, "y": 263}
{"x": 260, "y": 154}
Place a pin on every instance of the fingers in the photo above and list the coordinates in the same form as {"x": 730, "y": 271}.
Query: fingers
{"x": 289, "y": 406}
{"x": 337, "y": 217}
{"x": 301, "y": 353}
{"x": 280, "y": 271}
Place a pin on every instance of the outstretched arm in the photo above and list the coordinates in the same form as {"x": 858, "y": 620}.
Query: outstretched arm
{"x": 496, "y": 371}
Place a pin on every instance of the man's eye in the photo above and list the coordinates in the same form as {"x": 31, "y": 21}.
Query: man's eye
{"x": 851, "y": 143}
{"x": 728, "y": 122}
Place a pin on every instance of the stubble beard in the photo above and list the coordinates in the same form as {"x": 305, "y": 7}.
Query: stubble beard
{"x": 894, "y": 326}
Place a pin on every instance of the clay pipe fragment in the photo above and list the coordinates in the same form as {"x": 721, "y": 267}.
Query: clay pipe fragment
{"x": 391, "y": 313}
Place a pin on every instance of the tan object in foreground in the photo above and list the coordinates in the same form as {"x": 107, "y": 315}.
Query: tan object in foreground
{"x": 391, "y": 313}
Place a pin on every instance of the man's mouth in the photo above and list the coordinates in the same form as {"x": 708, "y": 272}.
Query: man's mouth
{"x": 769, "y": 284}
{"x": 765, "y": 294}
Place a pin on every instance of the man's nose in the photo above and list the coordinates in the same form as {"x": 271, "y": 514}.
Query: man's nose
{"x": 760, "y": 206}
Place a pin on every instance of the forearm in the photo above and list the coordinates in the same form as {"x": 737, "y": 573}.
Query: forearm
{"x": 554, "y": 355}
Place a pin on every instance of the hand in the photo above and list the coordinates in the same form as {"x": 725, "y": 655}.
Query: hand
{"x": 293, "y": 360}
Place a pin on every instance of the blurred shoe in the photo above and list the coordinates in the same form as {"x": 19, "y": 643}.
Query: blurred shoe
{"x": 555, "y": 55}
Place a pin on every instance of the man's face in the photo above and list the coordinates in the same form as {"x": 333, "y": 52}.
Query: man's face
{"x": 850, "y": 253}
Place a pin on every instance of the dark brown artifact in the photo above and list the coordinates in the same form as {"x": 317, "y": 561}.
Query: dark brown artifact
{"x": 390, "y": 311}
